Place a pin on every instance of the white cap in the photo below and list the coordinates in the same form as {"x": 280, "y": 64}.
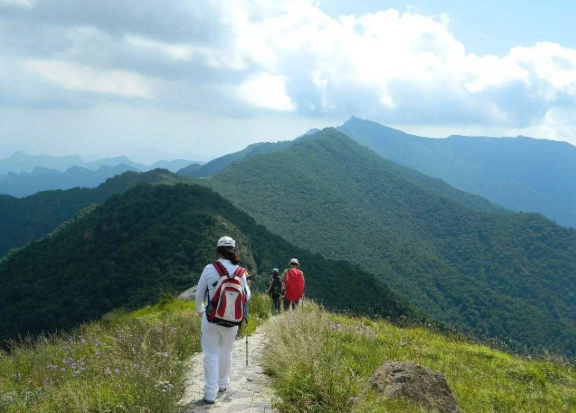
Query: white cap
{"x": 226, "y": 242}
{"x": 294, "y": 261}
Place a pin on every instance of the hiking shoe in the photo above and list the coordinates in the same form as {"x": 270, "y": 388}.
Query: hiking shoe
{"x": 222, "y": 389}
{"x": 209, "y": 401}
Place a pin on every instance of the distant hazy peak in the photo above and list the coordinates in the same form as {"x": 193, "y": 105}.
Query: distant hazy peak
{"x": 357, "y": 122}
{"x": 308, "y": 133}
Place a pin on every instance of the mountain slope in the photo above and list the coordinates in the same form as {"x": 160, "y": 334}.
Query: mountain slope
{"x": 522, "y": 174}
{"x": 154, "y": 240}
{"x": 25, "y": 184}
{"x": 506, "y": 275}
{"x": 175, "y": 165}
{"x": 223, "y": 162}
{"x": 27, "y": 219}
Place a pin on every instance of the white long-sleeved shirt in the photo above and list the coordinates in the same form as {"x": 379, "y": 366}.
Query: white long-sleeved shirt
{"x": 210, "y": 277}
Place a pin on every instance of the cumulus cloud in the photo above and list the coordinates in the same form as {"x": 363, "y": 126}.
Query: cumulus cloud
{"x": 84, "y": 79}
{"x": 245, "y": 57}
{"x": 266, "y": 91}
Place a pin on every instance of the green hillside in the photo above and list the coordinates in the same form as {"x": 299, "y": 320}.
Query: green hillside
{"x": 505, "y": 275}
{"x": 151, "y": 241}
{"x": 219, "y": 164}
{"x": 521, "y": 174}
{"x": 27, "y": 219}
{"x": 342, "y": 353}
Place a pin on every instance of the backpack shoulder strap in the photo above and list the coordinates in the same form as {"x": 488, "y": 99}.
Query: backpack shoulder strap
{"x": 239, "y": 272}
{"x": 220, "y": 268}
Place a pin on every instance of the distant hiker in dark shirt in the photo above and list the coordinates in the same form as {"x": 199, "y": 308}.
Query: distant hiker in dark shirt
{"x": 293, "y": 282}
{"x": 275, "y": 290}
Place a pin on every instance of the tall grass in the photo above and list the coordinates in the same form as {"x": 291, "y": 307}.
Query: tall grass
{"x": 322, "y": 362}
{"x": 126, "y": 362}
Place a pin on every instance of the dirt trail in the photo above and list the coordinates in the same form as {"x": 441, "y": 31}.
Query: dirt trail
{"x": 249, "y": 390}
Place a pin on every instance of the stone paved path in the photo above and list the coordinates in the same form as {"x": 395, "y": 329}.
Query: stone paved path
{"x": 249, "y": 390}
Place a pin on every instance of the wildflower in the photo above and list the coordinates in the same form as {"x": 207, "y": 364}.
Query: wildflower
{"x": 83, "y": 341}
{"x": 68, "y": 361}
{"x": 354, "y": 400}
{"x": 51, "y": 367}
{"x": 107, "y": 372}
{"x": 117, "y": 371}
{"x": 164, "y": 386}
{"x": 47, "y": 381}
{"x": 63, "y": 370}
{"x": 74, "y": 365}
{"x": 17, "y": 376}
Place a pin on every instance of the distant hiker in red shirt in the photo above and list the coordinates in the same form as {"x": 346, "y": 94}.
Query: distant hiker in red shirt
{"x": 293, "y": 281}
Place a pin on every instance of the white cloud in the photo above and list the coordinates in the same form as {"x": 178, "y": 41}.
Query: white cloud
{"x": 24, "y": 4}
{"x": 85, "y": 79}
{"x": 266, "y": 91}
{"x": 243, "y": 57}
{"x": 173, "y": 51}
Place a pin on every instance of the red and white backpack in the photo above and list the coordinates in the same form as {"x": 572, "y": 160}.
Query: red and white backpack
{"x": 226, "y": 307}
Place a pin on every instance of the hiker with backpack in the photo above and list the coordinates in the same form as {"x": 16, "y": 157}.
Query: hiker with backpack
{"x": 294, "y": 283}
{"x": 228, "y": 291}
{"x": 275, "y": 290}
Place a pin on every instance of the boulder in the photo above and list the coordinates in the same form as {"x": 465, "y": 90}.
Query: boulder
{"x": 405, "y": 379}
{"x": 189, "y": 294}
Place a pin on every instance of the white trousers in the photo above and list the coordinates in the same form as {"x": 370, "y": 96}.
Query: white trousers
{"x": 217, "y": 344}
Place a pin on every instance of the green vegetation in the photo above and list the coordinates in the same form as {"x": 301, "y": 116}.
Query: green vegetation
{"x": 133, "y": 362}
{"x": 156, "y": 240}
{"x": 322, "y": 362}
{"x": 521, "y": 174}
{"x": 505, "y": 275}
{"x": 27, "y": 219}
{"x": 219, "y": 164}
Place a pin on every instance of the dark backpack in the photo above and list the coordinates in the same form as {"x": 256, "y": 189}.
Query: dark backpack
{"x": 276, "y": 287}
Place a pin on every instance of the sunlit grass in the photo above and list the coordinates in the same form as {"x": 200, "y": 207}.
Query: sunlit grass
{"x": 126, "y": 362}
{"x": 322, "y": 362}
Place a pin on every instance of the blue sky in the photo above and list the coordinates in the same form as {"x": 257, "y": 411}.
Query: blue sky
{"x": 199, "y": 78}
{"x": 489, "y": 26}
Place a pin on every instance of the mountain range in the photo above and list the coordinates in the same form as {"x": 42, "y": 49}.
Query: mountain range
{"x": 23, "y": 220}
{"x": 31, "y": 174}
{"x": 493, "y": 272}
{"x": 455, "y": 256}
{"x": 155, "y": 240}
{"x": 521, "y": 174}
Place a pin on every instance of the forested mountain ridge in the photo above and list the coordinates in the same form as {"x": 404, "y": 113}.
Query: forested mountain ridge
{"x": 521, "y": 174}
{"x": 506, "y": 275}
{"x": 27, "y": 219}
{"x": 219, "y": 164}
{"x": 155, "y": 240}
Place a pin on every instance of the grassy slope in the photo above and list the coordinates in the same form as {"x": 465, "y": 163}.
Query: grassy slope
{"x": 128, "y": 363}
{"x": 321, "y": 362}
{"x": 501, "y": 274}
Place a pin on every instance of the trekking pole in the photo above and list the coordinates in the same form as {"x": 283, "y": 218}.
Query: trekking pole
{"x": 246, "y": 341}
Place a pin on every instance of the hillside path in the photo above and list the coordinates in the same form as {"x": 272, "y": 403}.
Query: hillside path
{"x": 249, "y": 390}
